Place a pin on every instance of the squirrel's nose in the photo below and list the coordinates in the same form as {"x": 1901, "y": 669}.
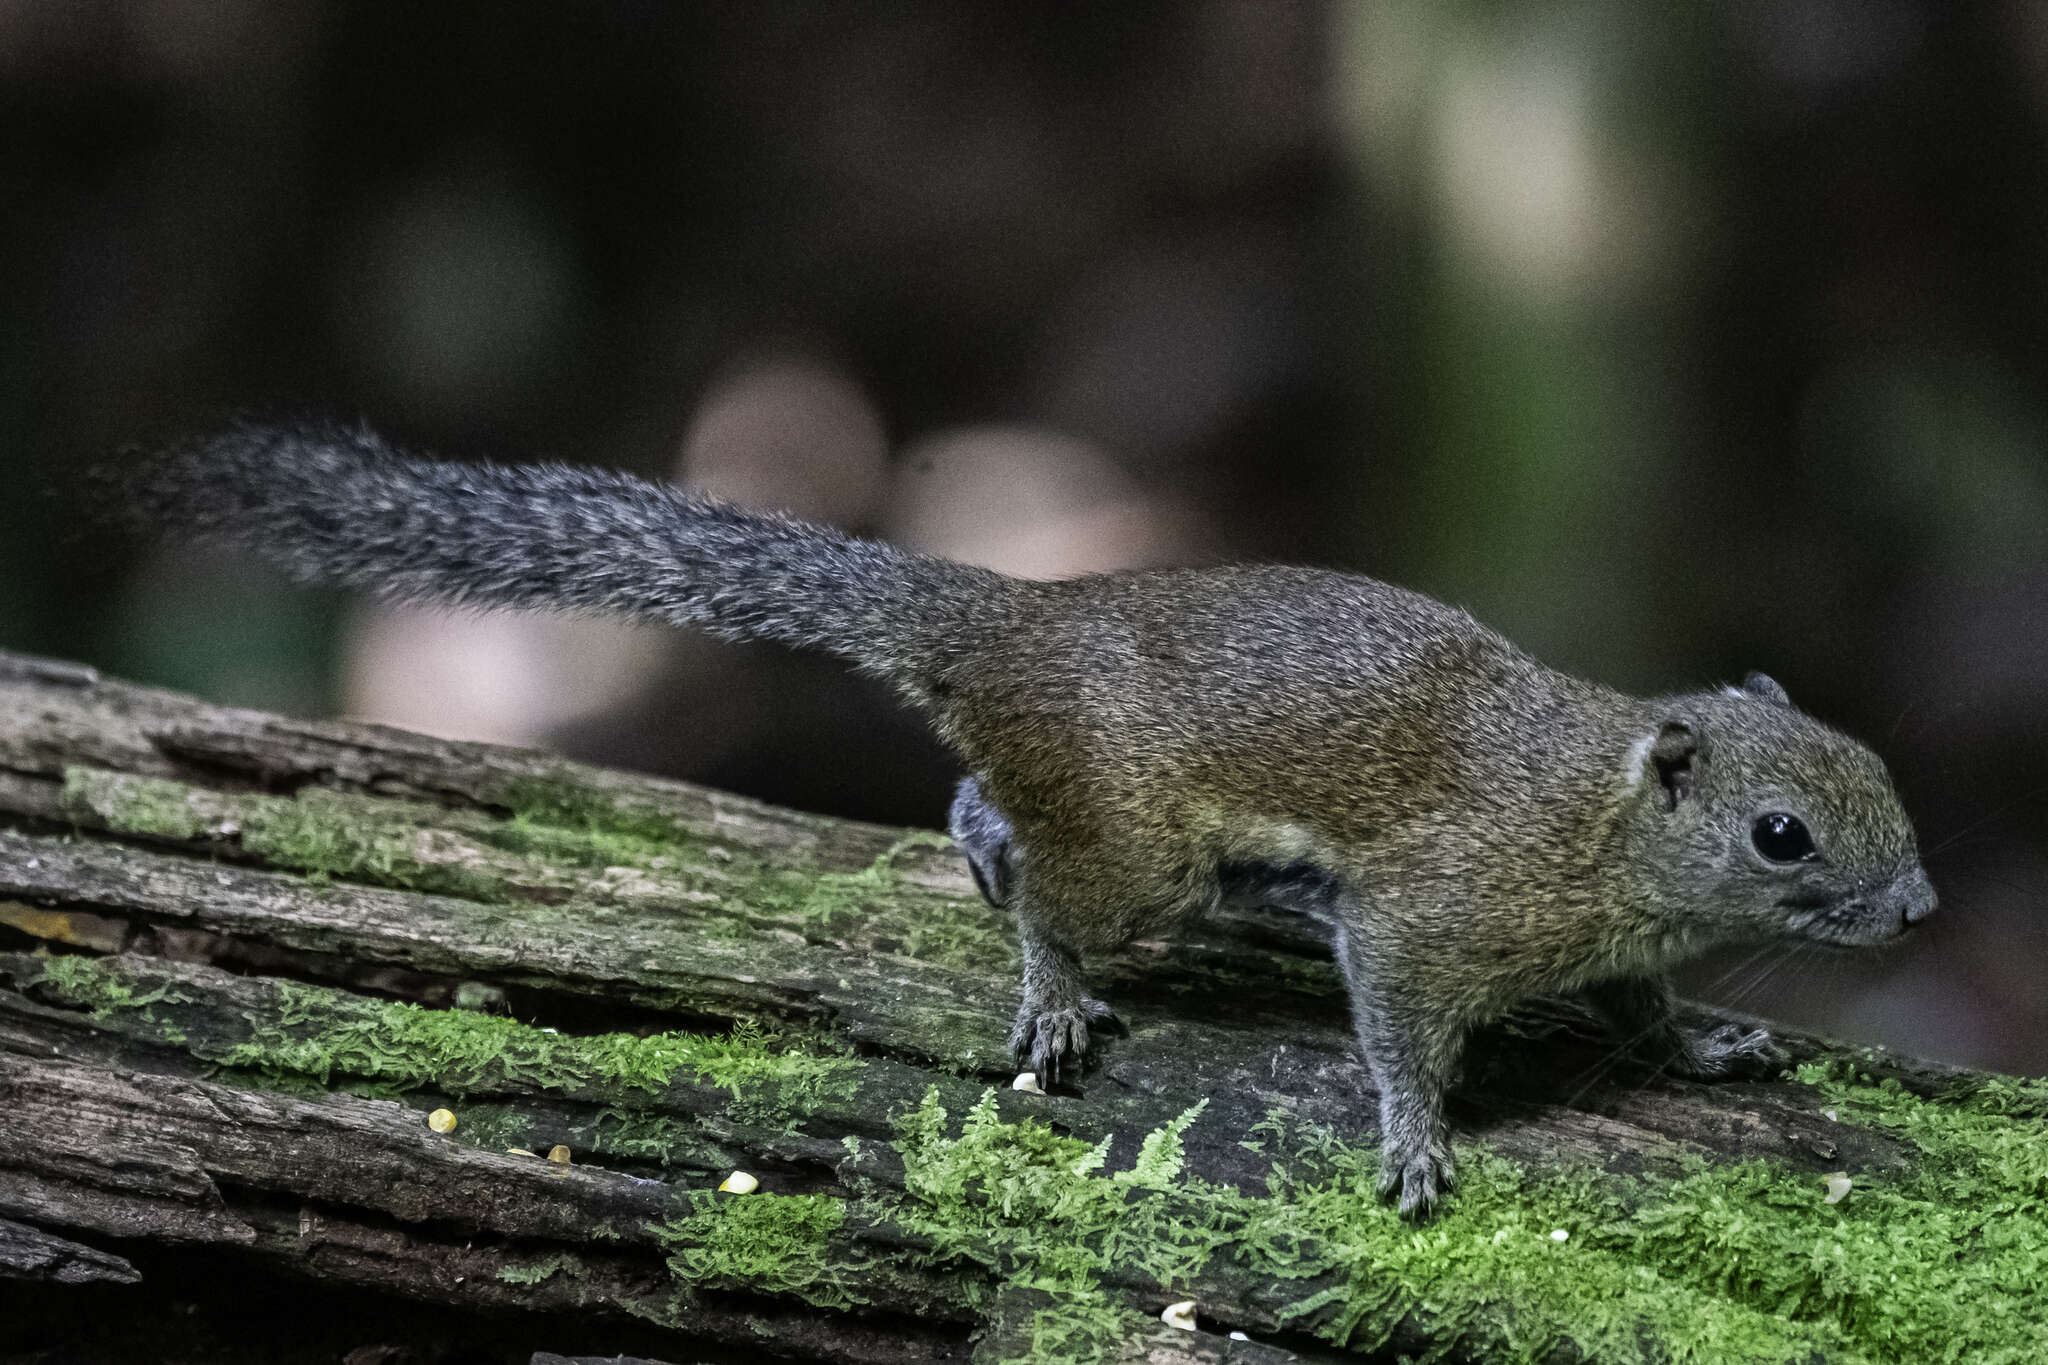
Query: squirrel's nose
{"x": 1914, "y": 895}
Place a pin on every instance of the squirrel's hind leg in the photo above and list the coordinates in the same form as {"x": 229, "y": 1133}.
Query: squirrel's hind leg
{"x": 1056, "y": 1023}
{"x": 1057, "y": 1017}
{"x": 1637, "y": 1010}
{"x": 984, "y": 836}
{"x": 1069, "y": 896}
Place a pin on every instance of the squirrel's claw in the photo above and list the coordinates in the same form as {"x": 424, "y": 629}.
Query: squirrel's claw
{"x": 1419, "y": 1178}
{"x": 1104, "y": 1019}
{"x": 1731, "y": 1051}
{"x": 1047, "y": 1040}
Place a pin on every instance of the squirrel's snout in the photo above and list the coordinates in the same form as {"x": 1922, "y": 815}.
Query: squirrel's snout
{"x": 1914, "y": 897}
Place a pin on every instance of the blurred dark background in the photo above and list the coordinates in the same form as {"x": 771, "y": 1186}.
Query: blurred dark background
{"x": 1673, "y": 341}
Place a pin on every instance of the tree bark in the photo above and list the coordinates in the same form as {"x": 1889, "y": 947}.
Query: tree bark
{"x": 28, "y": 1253}
{"x": 218, "y": 926}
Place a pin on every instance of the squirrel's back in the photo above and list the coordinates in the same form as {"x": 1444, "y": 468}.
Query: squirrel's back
{"x": 1269, "y": 687}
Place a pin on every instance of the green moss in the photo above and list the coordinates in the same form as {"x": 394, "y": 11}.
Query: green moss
{"x": 874, "y": 904}
{"x": 135, "y": 805}
{"x": 2007, "y": 1096}
{"x": 634, "y": 1135}
{"x": 1486, "y": 1276}
{"x": 1085, "y": 1328}
{"x": 823, "y": 900}
{"x": 1721, "y": 1264}
{"x": 338, "y": 836}
{"x": 380, "y": 841}
{"x": 763, "y": 1243}
{"x": 318, "y": 1034}
{"x": 534, "y": 1272}
{"x": 1032, "y": 1208}
{"x": 496, "y": 1127}
{"x": 554, "y": 832}
{"x": 1024, "y": 1204}
{"x": 563, "y": 821}
{"x": 569, "y": 804}
{"x": 89, "y": 983}
{"x": 325, "y": 834}
{"x": 312, "y": 1039}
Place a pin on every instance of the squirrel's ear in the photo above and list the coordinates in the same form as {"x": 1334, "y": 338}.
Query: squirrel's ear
{"x": 1673, "y": 755}
{"x": 1765, "y": 686}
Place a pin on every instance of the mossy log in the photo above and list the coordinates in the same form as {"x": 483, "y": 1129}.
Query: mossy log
{"x": 243, "y": 959}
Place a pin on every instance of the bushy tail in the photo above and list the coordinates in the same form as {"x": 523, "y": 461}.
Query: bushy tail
{"x": 340, "y": 506}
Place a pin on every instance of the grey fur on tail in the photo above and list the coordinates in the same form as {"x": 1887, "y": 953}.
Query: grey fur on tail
{"x": 337, "y": 505}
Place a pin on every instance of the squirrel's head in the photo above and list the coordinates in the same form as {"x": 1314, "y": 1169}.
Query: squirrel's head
{"x": 1769, "y": 823}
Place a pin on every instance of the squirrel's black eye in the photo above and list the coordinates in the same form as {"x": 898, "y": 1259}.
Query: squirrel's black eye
{"x": 1781, "y": 838}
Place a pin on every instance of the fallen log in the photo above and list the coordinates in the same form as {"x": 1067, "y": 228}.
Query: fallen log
{"x": 28, "y": 1253}
{"x": 246, "y": 960}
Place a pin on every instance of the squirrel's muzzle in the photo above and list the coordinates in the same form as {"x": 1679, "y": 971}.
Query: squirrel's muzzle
{"x": 1911, "y": 897}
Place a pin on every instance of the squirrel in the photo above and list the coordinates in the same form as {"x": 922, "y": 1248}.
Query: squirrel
{"x": 1475, "y": 828}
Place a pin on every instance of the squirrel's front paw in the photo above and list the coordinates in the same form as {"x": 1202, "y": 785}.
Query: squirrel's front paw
{"x": 1419, "y": 1177}
{"x": 1047, "y": 1038}
{"x": 1732, "y": 1051}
